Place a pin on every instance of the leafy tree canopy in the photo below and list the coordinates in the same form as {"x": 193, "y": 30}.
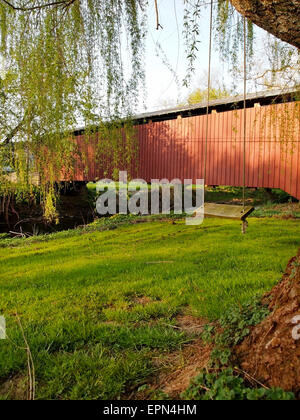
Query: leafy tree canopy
{"x": 70, "y": 62}
{"x": 200, "y": 95}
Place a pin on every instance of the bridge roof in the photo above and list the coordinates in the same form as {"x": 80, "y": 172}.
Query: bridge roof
{"x": 233, "y": 102}
{"x": 226, "y": 104}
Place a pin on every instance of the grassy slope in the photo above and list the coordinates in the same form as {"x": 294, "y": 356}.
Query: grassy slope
{"x": 81, "y": 296}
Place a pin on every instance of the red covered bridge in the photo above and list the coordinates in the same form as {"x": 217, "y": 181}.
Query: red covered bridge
{"x": 171, "y": 144}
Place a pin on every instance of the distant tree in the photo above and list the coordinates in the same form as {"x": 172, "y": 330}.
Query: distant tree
{"x": 200, "y": 95}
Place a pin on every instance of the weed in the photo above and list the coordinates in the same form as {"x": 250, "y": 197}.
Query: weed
{"x": 227, "y": 385}
{"x": 234, "y": 326}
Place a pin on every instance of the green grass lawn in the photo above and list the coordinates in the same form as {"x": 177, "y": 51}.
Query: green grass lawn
{"x": 97, "y": 306}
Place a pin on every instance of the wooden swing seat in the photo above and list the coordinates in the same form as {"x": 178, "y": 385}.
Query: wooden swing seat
{"x": 227, "y": 211}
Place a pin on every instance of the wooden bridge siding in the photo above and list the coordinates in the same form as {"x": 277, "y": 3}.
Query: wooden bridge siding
{"x": 175, "y": 149}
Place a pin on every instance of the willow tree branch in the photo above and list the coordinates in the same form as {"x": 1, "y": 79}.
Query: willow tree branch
{"x": 283, "y": 69}
{"x": 12, "y": 134}
{"x": 64, "y": 3}
{"x": 15, "y": 130}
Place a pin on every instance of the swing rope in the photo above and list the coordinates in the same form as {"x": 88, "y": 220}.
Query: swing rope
{"x": 245, "y": 223}
{"x": 245, "y": 112}
{"x": 208, "y": 92}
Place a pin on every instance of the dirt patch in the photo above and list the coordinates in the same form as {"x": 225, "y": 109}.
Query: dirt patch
{"x": 181, "y": 367}
{"x": 271, "y": 353}
{"x": 177, "y": 369}
{"x": 190, "y": 324}
{"x": 15, "y": 387}
{"x": 141, "y": 300}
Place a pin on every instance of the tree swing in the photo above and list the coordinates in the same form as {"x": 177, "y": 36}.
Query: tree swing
{"x": 227, "y": 211}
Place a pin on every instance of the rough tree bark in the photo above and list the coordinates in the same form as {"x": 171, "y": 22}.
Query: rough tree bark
{"x": 279, "y": 17}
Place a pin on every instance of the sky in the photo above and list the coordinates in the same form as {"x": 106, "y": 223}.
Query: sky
{"x": 161, "y": 87}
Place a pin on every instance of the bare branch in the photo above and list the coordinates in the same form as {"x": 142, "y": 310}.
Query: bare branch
{"x": 158, "y": 25}
{"x": 64, "y": 3}
{"x": 282, "y": 69}
{"x": 30, "y": 363}
{"x": 13, "y": 132}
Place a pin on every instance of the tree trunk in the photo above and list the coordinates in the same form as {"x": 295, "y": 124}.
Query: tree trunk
{"x": 278, "y": 17}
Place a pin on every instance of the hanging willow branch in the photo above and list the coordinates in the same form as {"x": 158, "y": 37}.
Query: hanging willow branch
{"x": 62, "y": 66}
